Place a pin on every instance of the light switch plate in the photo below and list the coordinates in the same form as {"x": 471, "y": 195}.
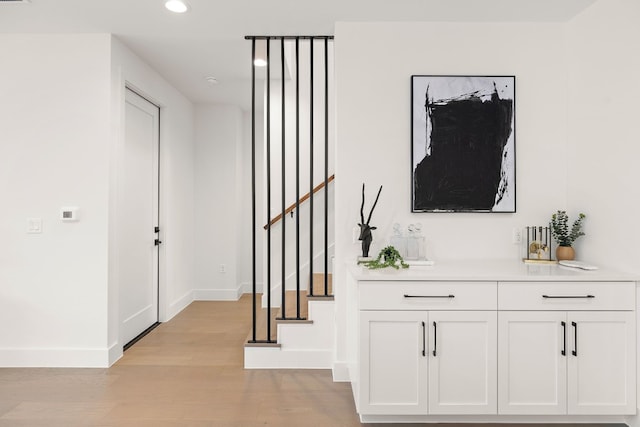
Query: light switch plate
{"x": 34, "y": 225}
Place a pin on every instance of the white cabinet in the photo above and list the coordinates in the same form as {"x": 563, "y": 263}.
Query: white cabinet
{"x": 575, "y": 363}
{"x": 601, "y": 363}
{"x": 462, "y": 362}
{"x": 393, "y": 366}
{"x": 437, "y": 362}
{"x": 533, "y": 366}
{"x": 449, "y": 348}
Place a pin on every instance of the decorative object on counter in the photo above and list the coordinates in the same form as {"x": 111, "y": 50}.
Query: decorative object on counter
{"x": 463, "y": 143}
{"x": 539, "y": 245}
{"x": 410, "y": 244}
{"x": 365, "y": 229}
{"x": 399, "y": 240}
{"x": 565, "y": 236}
{"x": 415, "y": 242}
{"x": 388, "y": 257}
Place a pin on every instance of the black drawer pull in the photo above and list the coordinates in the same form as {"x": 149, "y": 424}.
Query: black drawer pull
{"x": 575, "y": 338}
{"x": 424, "y": 340}
{"x": 435, "y": 338}
{"x": 429, "y": 296}
{"x": 568, "y": 296}
{"x": 564, "y": 339}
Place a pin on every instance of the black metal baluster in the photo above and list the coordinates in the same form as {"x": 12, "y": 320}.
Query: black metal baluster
{"x": 326, "y": 167}
{"x": 298, "y": 178}
{"x": 283, "y": 184}
{"x": 311, "y": 168}
{"x": 253, "y": 185}
{"x": 268, "y": 71}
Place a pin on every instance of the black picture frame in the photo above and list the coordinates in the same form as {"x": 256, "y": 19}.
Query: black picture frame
{"x": 463, "y": 143}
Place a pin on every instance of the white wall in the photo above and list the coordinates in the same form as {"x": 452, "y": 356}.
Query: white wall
{"x": 61, "y": 109}
{"x": 603, "y": 172}
{"x": 218, "y": 193}
{"x": 177, "y": 153}
{"x": 374, "y": 63}
{"x": 54, "y": 152}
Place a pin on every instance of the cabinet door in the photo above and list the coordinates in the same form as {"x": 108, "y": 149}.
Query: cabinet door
{"x": 462, "y": 362}
{"x": 393, "y": 362}
{"x": 601, "y": 363}
{"x": 532, "y": 368}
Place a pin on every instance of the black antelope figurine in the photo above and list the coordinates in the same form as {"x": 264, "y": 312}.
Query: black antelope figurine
{"x": 365, "y": 228}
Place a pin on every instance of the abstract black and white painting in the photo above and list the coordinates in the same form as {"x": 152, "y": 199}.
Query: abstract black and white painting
{"x": 463, "y": 144}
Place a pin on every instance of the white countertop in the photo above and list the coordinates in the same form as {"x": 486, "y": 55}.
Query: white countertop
{"x": 490, "y": 270}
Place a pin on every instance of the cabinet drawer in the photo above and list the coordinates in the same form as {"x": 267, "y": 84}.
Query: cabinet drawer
{"x": 566, "y": 295}
{"x": 428, "y": 295}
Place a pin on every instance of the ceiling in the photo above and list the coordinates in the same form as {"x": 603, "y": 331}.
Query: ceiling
{"x": 209, "y": 39}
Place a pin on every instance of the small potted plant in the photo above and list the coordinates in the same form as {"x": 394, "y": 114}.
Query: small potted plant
{"x": 565, "y": 236}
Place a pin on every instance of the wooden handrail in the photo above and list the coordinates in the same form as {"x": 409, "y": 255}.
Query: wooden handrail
{"x": 302, "y": 199}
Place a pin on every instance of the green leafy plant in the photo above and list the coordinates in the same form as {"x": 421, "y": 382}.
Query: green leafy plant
{"x": 560, "y": 230}
{"x": 388, "y": 257}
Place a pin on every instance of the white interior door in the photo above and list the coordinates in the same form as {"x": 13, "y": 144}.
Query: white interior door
{"x": 138, "y": 217}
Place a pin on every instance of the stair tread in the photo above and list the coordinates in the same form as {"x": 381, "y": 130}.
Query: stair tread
{"x": 290, "y": 305}
{"x": 291, "y": 311}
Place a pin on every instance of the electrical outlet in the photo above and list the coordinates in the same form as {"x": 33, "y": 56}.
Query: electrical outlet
{"x": 516, "y": 236}
{"x": 223, "y": 268}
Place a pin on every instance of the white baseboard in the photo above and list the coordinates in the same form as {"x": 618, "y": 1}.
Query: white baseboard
{"x": 247, "y": 287}
{"x": 54, "y": 357}
{"x": 341, "y": 372}
{"x": 633, "y": 420}
{"x": 115, "y": 353}
{"x": 217, "y": 294}
{"x": 276, "y": 358}
{"x": 179, "y": 305}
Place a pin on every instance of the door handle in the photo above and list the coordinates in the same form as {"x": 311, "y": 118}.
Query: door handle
{"x": 424, "y": 340}
{"x": 435, "y": 338}
{"x": 575, "y": 338}
{"x": 157, "y": 242}
{"x": 564, "y": 339}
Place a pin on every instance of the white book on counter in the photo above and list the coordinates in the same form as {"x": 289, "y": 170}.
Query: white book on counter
{"x": 419, "y": 262}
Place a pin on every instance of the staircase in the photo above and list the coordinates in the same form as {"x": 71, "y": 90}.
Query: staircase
{"x": 299, "y": 344}
{"x": 301, "y": 128}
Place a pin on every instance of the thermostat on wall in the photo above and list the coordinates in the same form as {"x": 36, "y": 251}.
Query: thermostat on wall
{"x": 69, "y": 214}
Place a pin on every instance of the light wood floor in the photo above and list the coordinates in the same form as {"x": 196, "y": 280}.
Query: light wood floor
{"x": 187, "y": 372}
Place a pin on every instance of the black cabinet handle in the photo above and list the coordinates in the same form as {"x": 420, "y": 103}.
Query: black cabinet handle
{"x": 424, "y": 340}
{"x": 567, "y": 296}
{"x": 435, "y": 338}
{"x": 564, "y": 338}
{"x": 575, "y": 338}
{"x": 429, "y": 296}
{"x": 157, "y": 242}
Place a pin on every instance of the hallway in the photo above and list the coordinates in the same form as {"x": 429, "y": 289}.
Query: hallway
{"x": 186, "y": 372}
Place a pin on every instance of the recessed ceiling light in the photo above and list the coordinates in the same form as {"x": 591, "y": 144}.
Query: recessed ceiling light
{"x": 177, "y": 6}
